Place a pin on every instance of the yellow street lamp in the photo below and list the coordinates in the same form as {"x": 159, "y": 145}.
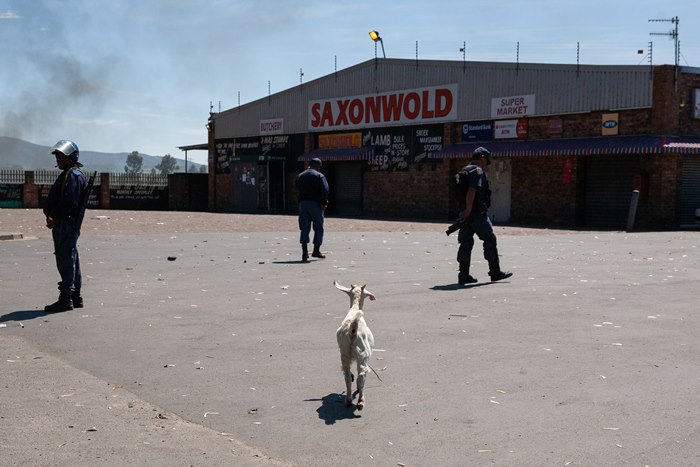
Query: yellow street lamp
{"x": 374, "y": 35}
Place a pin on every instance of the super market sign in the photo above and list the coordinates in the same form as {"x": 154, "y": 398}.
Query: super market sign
{"x": 411, "y": 106}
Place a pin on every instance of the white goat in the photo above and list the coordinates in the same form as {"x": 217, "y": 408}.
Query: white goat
{"x": 355, "y": 342}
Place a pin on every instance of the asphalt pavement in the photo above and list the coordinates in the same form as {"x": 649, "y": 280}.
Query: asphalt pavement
{"x": 219, "y": 349}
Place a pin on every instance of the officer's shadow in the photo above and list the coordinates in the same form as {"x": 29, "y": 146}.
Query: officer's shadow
{"x": 24, "y": 315}
{"x": 458, "y": 287}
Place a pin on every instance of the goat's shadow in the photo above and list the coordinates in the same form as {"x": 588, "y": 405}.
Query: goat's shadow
{"x": 333, "y": 408}
{"x": 24, "y": 315}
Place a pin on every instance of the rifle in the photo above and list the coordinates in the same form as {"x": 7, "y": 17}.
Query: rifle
{"x": 84, "y": 201}
{"x": 453, "y": 228}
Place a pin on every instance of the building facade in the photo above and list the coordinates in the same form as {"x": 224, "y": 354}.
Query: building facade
{"x": 569, "y": 142}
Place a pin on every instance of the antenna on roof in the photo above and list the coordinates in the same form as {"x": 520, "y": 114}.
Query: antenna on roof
{"x": 673, "y": 34}
{"x": 335, "y": 65}
{"x": 578, "y": 50}
{"x": 517, "y": 57}
{"x": 464, "y": 55}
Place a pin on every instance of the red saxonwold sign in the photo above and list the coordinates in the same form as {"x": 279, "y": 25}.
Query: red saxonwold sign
{"x": 410, "y": 106}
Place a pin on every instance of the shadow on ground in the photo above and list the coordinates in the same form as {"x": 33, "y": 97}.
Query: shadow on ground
{"x": 24, "y": 315}
{"x": 333, "y": 408}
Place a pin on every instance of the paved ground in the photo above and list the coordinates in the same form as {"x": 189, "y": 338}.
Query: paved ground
{"x": 227, "y": 356}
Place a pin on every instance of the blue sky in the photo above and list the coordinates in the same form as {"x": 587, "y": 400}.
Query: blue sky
{"x": 128, "y": 75}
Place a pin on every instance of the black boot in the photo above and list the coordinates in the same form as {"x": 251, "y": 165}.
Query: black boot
{"x": 464, "y": 277}
{"x": 77, "y": 299}
{"x": 64, "y": 303}
{"x": 304, "y": 253}
{"x": 317, "y": 252}
{"x": 495, "y": 271}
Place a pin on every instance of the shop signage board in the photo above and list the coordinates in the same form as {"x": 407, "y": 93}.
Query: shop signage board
{"x": 396, "y": 148}
{"x": 272, "y": 126}
{"x": 477, "y": 131}
{"x": 402, "y": 107}
{"x": 511, "y": 129}
{"x": 513, "y": 106}
{"x": 609, "y": 124}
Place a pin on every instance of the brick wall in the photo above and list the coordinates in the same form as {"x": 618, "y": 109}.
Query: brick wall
{"x": 539, "y": 194}
{"x": 420, "y": 192}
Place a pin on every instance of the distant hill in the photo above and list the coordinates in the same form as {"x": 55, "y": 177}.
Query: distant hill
{"x": 19, "y": 154}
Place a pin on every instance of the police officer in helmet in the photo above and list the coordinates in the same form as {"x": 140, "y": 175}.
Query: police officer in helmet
{"x": 63, "y": 210}
{"x": 474, "y": 199}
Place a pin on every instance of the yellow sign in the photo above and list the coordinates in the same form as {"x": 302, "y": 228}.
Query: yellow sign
{"x": 340, "y": 141}
{"x": 610, "y": 124}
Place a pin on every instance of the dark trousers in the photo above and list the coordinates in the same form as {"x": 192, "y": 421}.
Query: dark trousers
{"x": 480, "y": 225}
{"x": 65, "y": 243}
{"x": 310, "y": 213}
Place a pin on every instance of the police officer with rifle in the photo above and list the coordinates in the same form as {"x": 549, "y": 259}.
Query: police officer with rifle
{"x": 64, "y": 210}
{"x": 474, "y": 199}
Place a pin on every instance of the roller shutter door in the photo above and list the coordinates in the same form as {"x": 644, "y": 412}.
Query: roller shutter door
{"x": 609, "y": 191}
{"x": 348, "y": 189}
{"x": 690, "y": 191}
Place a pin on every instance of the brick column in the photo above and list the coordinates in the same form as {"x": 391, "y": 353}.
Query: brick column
{"x": 30, "y": 191}
{"x": 104, "y": 190}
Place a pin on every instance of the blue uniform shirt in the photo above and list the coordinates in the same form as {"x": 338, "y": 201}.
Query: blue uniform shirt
{"x": 63, "y": 202}
{"x": 312, "y": 186}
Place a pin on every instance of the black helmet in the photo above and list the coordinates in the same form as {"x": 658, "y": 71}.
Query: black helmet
{"x": 482, "y": 151}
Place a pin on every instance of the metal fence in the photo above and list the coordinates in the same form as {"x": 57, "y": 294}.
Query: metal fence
{"x": 12, "y": 176}
{"x": 47, "y": 177}
{"x": 125, "y": 179}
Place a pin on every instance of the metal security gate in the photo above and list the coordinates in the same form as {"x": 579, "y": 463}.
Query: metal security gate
{"x": 690, "y": 192}
{"x": 609, "y": 183}
{"x": 244, "y": 186}
{"x": 347, "y": 189}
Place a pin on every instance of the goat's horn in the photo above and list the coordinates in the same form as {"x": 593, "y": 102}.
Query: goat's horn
{"x": 341, "y": 287}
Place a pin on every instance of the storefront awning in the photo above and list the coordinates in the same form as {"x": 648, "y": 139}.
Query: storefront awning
{"x": 603, "y": 145}
{"x": 349, "y": 154}
{"x": 256, "y": 158}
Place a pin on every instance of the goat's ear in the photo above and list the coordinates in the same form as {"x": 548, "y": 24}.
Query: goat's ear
{"x": 341, "y": 287}
{"x": 368, "y": 294}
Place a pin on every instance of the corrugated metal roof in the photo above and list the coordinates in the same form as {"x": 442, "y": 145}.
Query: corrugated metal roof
{"x": 559, "y": 89}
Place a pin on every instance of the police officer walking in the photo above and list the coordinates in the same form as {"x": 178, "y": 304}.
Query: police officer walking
{"x": 313, "y": 200}
{"x": 63, "y": 216}
{"x": 474, "y": 198}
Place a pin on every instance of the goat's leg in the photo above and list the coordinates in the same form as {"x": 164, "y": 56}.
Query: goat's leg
{"x": 362, "y": 369}
{"x": 348, "y": 380}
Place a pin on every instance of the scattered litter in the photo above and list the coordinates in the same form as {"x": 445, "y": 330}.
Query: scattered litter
{"x": 253, "y": 411}
{"x": 21, "y": 325}
{"x": 92, "y": 429}
{"x": 210, "y": 413}
{"x": 611, "y": 429}
{"x": 618, "y": 445}
{"x": 3, "y": 325}
{"x": 172, "y": 258}
{"x": 162, "y": 417}
{"x": 166, "y": 366}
